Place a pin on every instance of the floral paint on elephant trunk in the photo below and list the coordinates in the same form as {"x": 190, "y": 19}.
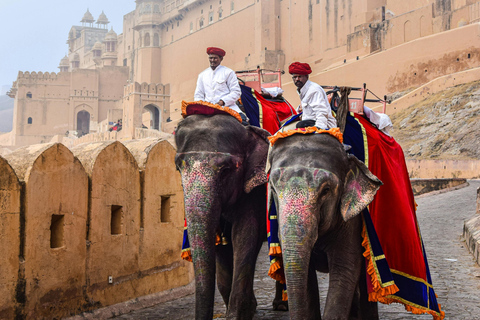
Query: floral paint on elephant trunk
{"x": 202, "y": 212}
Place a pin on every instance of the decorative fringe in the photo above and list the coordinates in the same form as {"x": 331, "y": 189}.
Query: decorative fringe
{"x": 415, "y": 309}
{"x": 275, "y": 250}
{"x": 276, "y": 270}
{"x": 187, "y": 254}
{"x": 385, "y": 295}
{"x": 379, "y": 292}
{"x": 335, "y": 132}
{"x": 227, "y": 110}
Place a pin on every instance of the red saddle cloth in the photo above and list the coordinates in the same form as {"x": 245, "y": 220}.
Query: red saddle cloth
{"x": 207, "y": 108}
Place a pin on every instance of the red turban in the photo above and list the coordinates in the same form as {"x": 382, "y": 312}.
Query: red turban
{"x": 217, "y": 51}
{"x": 299, "y": 68}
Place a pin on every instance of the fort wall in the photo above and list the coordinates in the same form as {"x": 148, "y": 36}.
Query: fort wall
{"x": 90, "y": 227}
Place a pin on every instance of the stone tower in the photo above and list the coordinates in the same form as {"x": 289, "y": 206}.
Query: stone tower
{"x": 148, "y": 30}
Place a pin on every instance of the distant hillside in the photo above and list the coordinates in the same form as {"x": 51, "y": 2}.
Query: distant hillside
{"x": 6, "y": 113}
{"x": 444, "y": 126}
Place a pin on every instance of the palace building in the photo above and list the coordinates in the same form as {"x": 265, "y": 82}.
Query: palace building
{"x": 141, "y": 75}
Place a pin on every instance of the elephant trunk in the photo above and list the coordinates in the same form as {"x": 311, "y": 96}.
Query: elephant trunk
{"x": 298, "y": 231}
{"x": 202, "y": 211}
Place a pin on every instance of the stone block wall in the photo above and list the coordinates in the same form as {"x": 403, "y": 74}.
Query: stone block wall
{"x": 89, "y": 227}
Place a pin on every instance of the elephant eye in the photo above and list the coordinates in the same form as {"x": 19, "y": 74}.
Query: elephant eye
{"x": 325, "y": 191}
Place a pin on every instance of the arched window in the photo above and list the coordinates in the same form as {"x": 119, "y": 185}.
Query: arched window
{"x": 29, "y": 120}
{"x": 29, "y": 95}
{"x": 156, "y": 40}
{"x": 156, "y": 8}
{"x": 147, "y": 40}
{"x": 201, "y": 22}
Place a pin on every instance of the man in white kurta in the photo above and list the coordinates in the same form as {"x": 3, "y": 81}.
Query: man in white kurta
{"x": 218, "y": 84}
{"x": 314, "y": 102}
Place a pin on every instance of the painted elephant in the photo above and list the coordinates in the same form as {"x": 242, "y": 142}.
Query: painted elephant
{"x": 319, "y": 191}
{"x": 222, "y": 164}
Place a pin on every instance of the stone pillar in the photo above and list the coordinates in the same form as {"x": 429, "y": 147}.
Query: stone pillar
{"x": 9, "y": 238}
{"x": 162, "y": 215}
{"x": 114, "y": 222}
{"x": 56, "y": 204}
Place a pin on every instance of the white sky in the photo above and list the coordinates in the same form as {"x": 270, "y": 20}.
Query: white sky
{"x": 33, "y": 33}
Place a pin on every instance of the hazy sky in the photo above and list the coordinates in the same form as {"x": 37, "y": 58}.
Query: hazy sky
{"x": 33, "y": 33}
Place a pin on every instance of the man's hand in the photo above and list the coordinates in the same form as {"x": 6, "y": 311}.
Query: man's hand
{"x": 300, "y": 109}
{"x": 221, "y": 103}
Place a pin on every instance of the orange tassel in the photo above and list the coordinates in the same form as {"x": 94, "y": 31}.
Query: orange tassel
{"x": 275, "y": 251}
{"x": 187, "y": 255}
{"x": 378, "y": 290}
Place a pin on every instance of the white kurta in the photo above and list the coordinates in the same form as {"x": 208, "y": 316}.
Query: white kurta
{"x": 315, "y": 106}
{"x": 218, "y": 84}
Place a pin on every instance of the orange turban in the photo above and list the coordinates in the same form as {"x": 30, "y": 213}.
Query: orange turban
{"x": 299, "y": 68}
{"x": 217, "y": 51}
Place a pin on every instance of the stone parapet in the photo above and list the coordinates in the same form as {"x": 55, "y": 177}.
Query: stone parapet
{"x": 422, "y": 186}
{"x": 440, "y": 169}
{"x": 89, "y": 227}
{"x": 471, "y": 232}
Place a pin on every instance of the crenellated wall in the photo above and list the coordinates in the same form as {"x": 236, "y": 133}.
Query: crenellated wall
{"x": 93, "y": 226}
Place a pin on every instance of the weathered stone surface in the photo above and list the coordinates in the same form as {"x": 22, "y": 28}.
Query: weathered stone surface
{"x": 56, "y": 204}
{"x": 9, "y": 238}
{"x": 421, "y": 186}
{"x": 162, "y": 215}
{"x": 454, "y": 274}
{"x": 114, "y": 221}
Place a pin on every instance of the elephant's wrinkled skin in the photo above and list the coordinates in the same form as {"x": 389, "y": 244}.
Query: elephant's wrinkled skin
{"x": 319, "y": 191}
{"x": 222, "y": 164}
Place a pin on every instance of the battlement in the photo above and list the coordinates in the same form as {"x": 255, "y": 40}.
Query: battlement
{"x": 147, "y": 88}
{"x": 37, "y": 75}
{"x": 126, "y": 197}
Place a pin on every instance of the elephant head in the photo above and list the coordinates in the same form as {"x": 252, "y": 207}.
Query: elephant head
{"x": 318, "y": 189}
{"x": 219, "y": 160}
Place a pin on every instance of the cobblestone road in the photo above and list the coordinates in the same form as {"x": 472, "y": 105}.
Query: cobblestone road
{"x": 455, "y": 276}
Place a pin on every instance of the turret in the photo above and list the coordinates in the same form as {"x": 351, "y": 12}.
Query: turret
{"x": 64, "y": 64}
{"x": 87, "y": 20}
{"x": 102, "y": 21}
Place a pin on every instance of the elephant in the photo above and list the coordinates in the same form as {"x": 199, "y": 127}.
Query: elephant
{"x": 222, "y": 165}
{"x": 319, "y": 191}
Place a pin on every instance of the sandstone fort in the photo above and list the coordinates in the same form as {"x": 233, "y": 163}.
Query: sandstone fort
{"x": 91, "y": 217}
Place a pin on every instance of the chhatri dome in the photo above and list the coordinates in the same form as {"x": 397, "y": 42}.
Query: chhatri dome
{"x": 111, "y": 36}
{"x": 97, "y": 46}
{"x": 87, "y": 17}
{"x": 64, "y": 62}
{"x": 102, "y": 20}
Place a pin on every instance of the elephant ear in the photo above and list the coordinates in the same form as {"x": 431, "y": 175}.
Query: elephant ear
{"x": 256, "y": 159}
{"x": 359, "y": 189}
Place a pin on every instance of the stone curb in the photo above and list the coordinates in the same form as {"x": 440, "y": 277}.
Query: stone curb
{"x": 471, "y": 232}
{"x": 137, "y": 303}
{"x": 431, "y": 193}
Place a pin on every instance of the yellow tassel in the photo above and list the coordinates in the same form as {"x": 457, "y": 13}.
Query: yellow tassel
{"x": 284, "y": 295}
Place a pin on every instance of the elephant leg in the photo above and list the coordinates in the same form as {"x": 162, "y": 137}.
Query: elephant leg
{"x": 224, "y": 261}
{"x": 248, "y": 234}
{"x": 345, "y": 265}
{"x": 312, "y": 293}
{"x": 367, "y": 310}
{"x": 278, "y": 303}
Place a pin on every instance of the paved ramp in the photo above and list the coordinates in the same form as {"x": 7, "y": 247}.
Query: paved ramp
{"x": 455, "y": 276}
